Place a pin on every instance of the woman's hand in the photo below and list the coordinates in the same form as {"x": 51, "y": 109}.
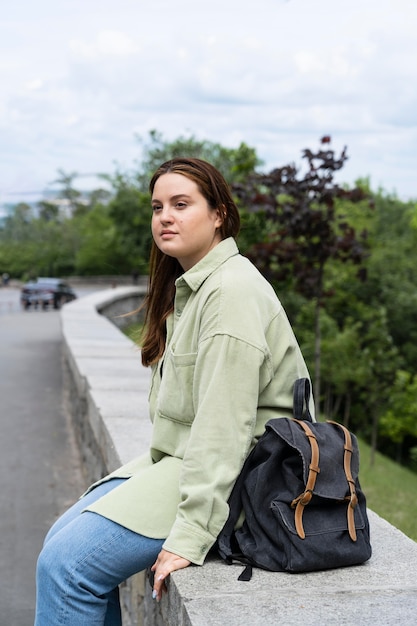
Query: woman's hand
{"x": 166, "y": 563}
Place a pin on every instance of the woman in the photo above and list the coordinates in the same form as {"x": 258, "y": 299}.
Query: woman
{"x": 224, "y": 360}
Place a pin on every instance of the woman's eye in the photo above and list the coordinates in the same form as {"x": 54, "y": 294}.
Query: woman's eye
{"x": 156, "y": 207}
{"x": 181, "y": 205}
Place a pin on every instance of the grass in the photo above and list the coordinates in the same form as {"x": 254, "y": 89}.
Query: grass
{"x": 390, "y": 490}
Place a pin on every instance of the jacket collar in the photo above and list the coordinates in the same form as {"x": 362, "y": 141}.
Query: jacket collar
{"x": 195, "y": 276}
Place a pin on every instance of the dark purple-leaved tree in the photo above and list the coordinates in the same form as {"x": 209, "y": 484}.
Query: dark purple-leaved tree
{"x": 304, "y": 231}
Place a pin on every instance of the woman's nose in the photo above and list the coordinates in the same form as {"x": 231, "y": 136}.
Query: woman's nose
{"x": 165, "y": 215}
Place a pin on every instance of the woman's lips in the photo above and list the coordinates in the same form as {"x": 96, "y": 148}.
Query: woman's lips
{"x": 167, "y": 234}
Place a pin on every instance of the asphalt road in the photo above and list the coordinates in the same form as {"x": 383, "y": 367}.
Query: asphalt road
{"x": 40, "y": 469}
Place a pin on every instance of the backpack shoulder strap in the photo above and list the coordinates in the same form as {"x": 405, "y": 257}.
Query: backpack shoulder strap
{"x": 301, "y": 399}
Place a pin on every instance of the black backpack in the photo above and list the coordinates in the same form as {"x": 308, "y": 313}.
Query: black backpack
{"x": 300, "y": 493}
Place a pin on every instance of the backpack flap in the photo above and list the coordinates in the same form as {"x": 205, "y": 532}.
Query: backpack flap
{"x": 331, "y": 480}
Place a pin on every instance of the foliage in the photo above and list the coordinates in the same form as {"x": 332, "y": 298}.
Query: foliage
{"x": 399, "y": 421}
{"x": 305, "y": 229}
{"x": 68, "y": 192}
{"x": 96, "y": 253}
{"x": 234, "y": 163}
{"x": 392, "y": 279}
{"x": 341, "y": 259}
{"x": 130, "y": 213}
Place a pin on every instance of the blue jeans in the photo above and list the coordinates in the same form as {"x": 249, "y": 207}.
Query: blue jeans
{"x": 83, "y": 560}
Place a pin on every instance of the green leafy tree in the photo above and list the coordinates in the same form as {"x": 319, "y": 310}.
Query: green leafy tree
{"x": 381, "y": 360}
{"x": 400, "y": 419}
{"x": 343, "y": 368}
{"x": 130, "y": 211}
{"x": 18, "y": 241}
{"x": 96, "y": 253}
{"x": 68, "y": 192}
{"x": 17, "y": 223}
{"x": 391, "y": 269}
{"x": 306, "y": 231}
{"x": 234, "y": 163}
{"x": 48, "y": 211}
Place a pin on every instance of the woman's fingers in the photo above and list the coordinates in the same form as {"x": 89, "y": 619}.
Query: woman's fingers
{"x": 166, "y": 563}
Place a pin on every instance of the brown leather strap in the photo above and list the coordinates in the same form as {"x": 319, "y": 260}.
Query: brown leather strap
{"x": 304, "y": 498}
{"x": 347, "y": 461}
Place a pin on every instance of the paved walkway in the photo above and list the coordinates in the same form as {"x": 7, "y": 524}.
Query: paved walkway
{"x": 39, "y": 463}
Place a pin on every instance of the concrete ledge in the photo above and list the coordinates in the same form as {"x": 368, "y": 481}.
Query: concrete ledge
{"x": 107, "y": 390}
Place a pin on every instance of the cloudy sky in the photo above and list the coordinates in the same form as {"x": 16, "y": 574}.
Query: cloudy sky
{"x": 81, "y": 79}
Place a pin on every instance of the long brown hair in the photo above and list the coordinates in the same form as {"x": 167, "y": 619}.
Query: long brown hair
{"x": 163, "y": 269}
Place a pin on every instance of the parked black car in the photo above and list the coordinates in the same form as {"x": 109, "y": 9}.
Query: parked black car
{"x": 46, "y": 292}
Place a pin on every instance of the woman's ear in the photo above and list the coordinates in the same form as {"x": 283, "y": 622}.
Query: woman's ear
{"x": 221, "y": 215}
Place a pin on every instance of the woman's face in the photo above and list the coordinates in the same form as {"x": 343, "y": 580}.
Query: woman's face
{"x": 183, "y": 224}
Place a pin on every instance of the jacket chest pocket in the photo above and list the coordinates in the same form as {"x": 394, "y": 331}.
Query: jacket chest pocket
{"x": 175, "y": 398}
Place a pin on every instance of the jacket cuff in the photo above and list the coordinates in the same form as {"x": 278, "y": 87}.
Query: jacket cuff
{"x": 189, "y": 542}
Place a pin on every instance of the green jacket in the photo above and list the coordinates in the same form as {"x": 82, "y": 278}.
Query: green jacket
{"x": 229, "y": 366}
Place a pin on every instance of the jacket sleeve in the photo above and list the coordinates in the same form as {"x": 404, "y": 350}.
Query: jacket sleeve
{"x": 225, "y": 395}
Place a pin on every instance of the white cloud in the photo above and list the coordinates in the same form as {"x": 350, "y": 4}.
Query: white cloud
{"x": 34, "y": 84}
{"x": 80, "y": 79}
{"x": 107, "y": 43}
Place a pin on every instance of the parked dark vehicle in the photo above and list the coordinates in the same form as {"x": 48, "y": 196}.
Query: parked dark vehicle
{"x": 46, "y": 292}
